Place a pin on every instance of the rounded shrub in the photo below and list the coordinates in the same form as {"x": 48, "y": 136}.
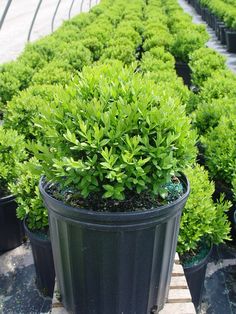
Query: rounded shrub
{"x": 202, "y": 219}
{"x": 221, "y": 84}
{"x": 57, "y": 71}
{"x": 30, "y": 204}
{"x": 204, "y": 62}
{"x": 23, "y": 108}
{"x": 207, "y": 115}
{"x": 114, "y": 135}
{"x": 12, "y": 153}
{"x": 220, "y": 149}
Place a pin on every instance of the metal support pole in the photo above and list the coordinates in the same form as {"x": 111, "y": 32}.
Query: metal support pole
{"x": 5, "y": 13}
{"x": 54, "y": 15}
{"x": 34, "y": 18}
{"x": 90, "y": 4}
{"x": 71, "y": 6}
{"x": 81, "y": 6}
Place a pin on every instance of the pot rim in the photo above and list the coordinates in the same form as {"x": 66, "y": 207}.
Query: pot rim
{"x": 8, "y": 198}
{"x": 33, "y": 235}
{"x": 201, "y": 262}
{"x": 117, "y": 215}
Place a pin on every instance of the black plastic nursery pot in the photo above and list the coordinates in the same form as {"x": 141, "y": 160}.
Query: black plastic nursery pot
{"x": 218, "y": 27}
{"x": 195, "y": 276}
{"x": 113, "y": 262}
{"x": 222, "y": 29}
{"x": 183, "y": 70}
{"x": 43, "y": 261}
{"x": 231, "y": 40}
{"x": 11, "y": 228}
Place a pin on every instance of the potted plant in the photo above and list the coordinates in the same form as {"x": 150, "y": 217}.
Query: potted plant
{"x": 230, "y": 32}
{"x": 185, "y": 43}
{"x": 203, "y": 223}
{"x": 114, "y": 151}
{"x": 32, "y": 211}
{"x": 11, "y": 154}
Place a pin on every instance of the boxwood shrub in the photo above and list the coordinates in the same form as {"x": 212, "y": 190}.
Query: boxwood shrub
{"x": 208, "y": 114}
{"x": 203, "y": 63}
{"x": 23, "y": 108}
{"x": 30, "y": 204}
{"x": 220, "y": 150}
{"x": 113, "y": 134}
{"x": 12, "y": 153}
{"x": 201, "y": 217}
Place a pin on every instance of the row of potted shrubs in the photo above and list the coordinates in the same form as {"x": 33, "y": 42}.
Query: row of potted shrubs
{"x": 221, "y": 16}
{"x": 213, "y": 114}
{"x": 64, "y": 124}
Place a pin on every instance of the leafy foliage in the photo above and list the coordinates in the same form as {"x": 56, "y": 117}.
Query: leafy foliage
{"x": 112, "y": 133}
{"x": 207, "y": 115}
{"x": 201, "y": 217}
{"x": 12, "y": 152}
{"x": 204, "y": 62}
{"x": 23, "y": 108}
{"x": 30, "y": 204}
{"x": 220, "y": 149}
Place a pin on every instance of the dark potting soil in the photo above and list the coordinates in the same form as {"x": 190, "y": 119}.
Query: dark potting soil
{"x": 132, "y": 202}
{"x": 193, "y": 257}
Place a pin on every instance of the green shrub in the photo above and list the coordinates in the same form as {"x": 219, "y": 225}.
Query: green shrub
{"x": 207, "y": 115}
{"x": 129, "y": 33}
{"x": 9, "y": 86}
{"x": 187, "y": 40}
{"x": 161, "y": 39}
{"x": 57, "y": 71}
{"x": 82, "y": 20}
{"x": 220, "y": 85}
{"x": 94, "y": 45}
{"x": 112, "y": 134}
{"x": 121, "y": 49}
{"x": 12, "y": 152}
{"x": 14, "y": 76}
{"x": 202, "y": 218}
{"x": 76, "y": 55}
{"x": 204, "y": 62}
{"x": 220, "y": 150}
{"x": 23, "y": 108}
{"x": 43, "y": 51}
{"x": 157, "y": 59}
{"x": 30, "y": 204}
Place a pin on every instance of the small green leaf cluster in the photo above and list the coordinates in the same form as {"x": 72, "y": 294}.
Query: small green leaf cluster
{"x": 113, "y": 133}
{"x": 14, "y": 76}
{"x": 203, "y": 63}
{"x": 23, "y": 108}
{"x": 221, "y": 84}
{"x": 156, "y": 32}
{"x": 12, "y": 152}
{"x": 126, "y": 38}
{"x": 57, "y": 72}
{"x": 28, "y": 198}
{"x": 207, "y": 115}
{"x": 187, "y": 37}
{"x": 202, "y": 218}
{"x": 220, "y": 151}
